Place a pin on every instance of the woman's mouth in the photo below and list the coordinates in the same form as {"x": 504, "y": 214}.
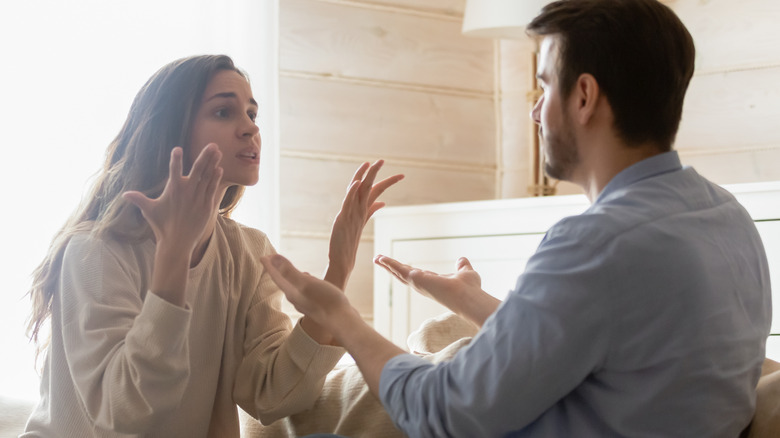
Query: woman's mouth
{"x": 250, "y": 155}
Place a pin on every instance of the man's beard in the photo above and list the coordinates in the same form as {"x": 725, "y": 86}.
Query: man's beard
{"x": 561, "y": 155}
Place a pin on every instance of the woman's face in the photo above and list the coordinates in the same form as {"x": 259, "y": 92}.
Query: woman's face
{"x": 227, "y": 117}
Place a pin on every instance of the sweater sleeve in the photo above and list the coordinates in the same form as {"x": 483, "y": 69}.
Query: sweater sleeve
{"x": 283, "y": 370}
{"x": 128, "y": 355}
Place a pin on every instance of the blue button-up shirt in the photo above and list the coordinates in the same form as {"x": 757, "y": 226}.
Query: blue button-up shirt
{"x": 647, "y": 315}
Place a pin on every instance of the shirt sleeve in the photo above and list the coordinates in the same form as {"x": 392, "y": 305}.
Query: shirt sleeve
{"x": 545, "y": 339}
{"x": 283, "y": 370}
{"x": 127, "y": 355}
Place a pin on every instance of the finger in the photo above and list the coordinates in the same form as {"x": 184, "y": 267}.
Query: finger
{"x": 206, "y": 169}
{"x": 374, "y": 207}
{"x": 358, "y": 176}
{"x": 368, "y": 180}
{"x": 394, "y": 267}
{"x": 351, "y": 191}
{"x": 175, "y": 165}
{"x": 206, "y": 158}
{"x": 289, "y": 271}
{"x": 284, "y": 274}
{"x": 463, "y": 264}
{"x": 420, "y": 279}
{"x": 213, "y": 184}
{"x": 138, "y": 199}
{"x": 210, "y": 177}
{"x": 383, "y": 185}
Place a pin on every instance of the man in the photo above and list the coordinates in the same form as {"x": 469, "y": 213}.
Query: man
{"x": 646, "y": 315}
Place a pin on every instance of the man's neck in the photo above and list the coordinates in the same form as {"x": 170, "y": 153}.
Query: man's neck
{"x": 598, "y": 169}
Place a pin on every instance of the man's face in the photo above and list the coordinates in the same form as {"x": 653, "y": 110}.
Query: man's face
{"x": 556, "y": 132}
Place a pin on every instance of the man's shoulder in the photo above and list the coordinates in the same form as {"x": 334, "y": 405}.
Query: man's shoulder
{"x": 676, "y": 198}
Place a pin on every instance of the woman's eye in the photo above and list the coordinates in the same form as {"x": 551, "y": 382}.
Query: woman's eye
{"x": 252, "y": 116}
{"x": 222, "y": 113}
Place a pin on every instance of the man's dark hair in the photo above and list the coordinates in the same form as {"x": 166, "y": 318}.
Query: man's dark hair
{"x": 640, "y": 53}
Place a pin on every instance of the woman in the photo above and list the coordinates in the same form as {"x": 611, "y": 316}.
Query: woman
{"x": 161, "y": 318}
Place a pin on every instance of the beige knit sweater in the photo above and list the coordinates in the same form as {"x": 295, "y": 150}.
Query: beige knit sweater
{"x": 123, "y": 362}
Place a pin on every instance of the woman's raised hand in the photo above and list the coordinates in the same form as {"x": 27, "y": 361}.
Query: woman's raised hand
{"x": 180, "y": 215}
{"x": 359, "y": 204}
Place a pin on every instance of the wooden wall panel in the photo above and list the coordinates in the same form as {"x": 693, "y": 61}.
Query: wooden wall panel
{"x": 514, "y": 183}
{"x": 736, "y": 167}
{"x": 515, "y": 143}
{"x": 728, "y": 131}
{"x": 344, "y": 41}
{"x": 312, "y": 190}
{"x": 447, "y": 7}
{"x": 341, "y": 118}
{"x": 729, "y": 110}
{"x": 516, "y": 57}
{"x": 731, "y": 34}
{"x": 310, "y": 254}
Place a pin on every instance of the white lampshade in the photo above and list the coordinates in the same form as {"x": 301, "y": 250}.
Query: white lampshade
{"x": 500, "y": 18}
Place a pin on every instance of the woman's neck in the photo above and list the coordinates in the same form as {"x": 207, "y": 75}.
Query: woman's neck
{"x": 200, "y": 248}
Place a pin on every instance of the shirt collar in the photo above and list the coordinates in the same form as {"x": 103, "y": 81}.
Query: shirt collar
{"x": 647, "y": 168}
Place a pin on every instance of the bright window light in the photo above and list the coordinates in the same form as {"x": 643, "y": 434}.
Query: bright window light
{"x": 70, "y": 71}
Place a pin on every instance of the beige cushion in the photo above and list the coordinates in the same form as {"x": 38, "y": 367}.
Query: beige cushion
{"x": 766, "y": 421}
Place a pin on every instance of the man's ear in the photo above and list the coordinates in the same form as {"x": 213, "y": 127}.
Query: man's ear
{"x": 585, "y": 96}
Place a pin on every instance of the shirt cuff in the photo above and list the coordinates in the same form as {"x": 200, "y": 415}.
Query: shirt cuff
{"x": 397, "y": 368}
{"x": 306, "y": 352}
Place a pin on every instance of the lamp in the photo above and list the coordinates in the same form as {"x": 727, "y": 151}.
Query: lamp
{"x": 500, "y": 18}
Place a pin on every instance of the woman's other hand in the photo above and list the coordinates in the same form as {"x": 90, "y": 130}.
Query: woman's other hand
{"x": 359, "y": 204}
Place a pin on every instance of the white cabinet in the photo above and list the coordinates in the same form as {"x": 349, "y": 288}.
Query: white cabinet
{"x": 498, "y": 237}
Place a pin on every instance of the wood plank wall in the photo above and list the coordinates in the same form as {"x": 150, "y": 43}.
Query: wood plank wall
{"x": 395, "y": 79}
{"x": 362, "y": 80}
{"x": 731, "y": 119}
{"x": 516, "y": 99}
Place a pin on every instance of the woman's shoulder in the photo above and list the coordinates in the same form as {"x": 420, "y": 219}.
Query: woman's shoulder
{"x": 243, "y": 236}
{"x": 86, "y": 243}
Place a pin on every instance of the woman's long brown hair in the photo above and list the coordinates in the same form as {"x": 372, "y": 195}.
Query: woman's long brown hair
{"x": 160, "y": 119}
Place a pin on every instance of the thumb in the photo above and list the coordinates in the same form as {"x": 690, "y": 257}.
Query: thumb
{"x": 138, "y": 199}
{"x": 463, "y": 264}
{"x": 284, "y": 274}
